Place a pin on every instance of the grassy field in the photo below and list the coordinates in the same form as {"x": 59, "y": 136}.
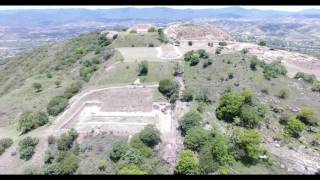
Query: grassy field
{"x": 126, "y": 39}
{"x": 126, "y": 73}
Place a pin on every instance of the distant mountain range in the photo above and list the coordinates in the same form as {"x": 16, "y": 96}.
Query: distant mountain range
{"x": 48, "y": 17}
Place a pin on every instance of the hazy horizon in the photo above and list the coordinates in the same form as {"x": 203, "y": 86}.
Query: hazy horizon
{"x": 275, "y": 8}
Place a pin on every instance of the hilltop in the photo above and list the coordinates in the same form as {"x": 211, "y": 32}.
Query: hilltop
{"x": 134, "y": 101}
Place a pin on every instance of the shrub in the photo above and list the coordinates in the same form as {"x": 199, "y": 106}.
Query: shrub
{"x": 245, "y": 51}
{"x": 190, "y": 120}
{"x": 316, "y": 86}
{"x": 283, "y": 94}
{"x": 203, "y": 54}
{"x": 143, "y": 68}
{"x": 295, "y": 127}
{"x": 68, "y": 164}
{"x": 73, "y": 89}
{"x": 229, "y": 106}
{"x": 31, "y": 120}
{"x": 230, "y": 75}
{"x": 48, "y": 157}
{"x": 207, "y": 62}
{"x": 202, "y": 96}
{"x": 187, "y": 95}
{"x": 248, "y": 96}
{"x": 51, "y": 139}
{"x": 195, "y": 138}
{"x": 131, "y": 170}
{"x": 152, "y": 29}
{"x": 27, "y": 147}
{"x": 262, "y": 43}
{"x": 218, "y": 50}
{"x": 132, "y": 156}
{"x": 273, "y": 70}
{"x": 307, "y": 116}
{"x": 102, "y": 165}
{"x": 188, "y": 164}
{"x": 162, "y": 36}
{"x": 52, "y": 169}
{"x": 223, "y": 43}
{"x": 87, "y": 72}
{"x": 310, "y": 78}
{"x": 136, "y": 143}
{"x": 192, "y": 57}
{"x": 56, "y": 105}
{"x": 37, "y": 86}
{"x": 119, "y": 149}
{"x": 133, "y": 31}
{"x": 220, "y": 150}
{"x": 249, "y": 117}
{"x": 284, "y": 118}
{"x": 253, "y": 64}
{"x": 265, "y": 91}
{"x": 248, "y": 146}
{"x": 103, "y": 40}
{"x": 57, "y": 83}
{"x": 206, "y": 161}
{"x": 168, "y": 87}
{"x": 5, "y": 143}
{"x": 177, "y": 69}
{"x": 150, "y": 135}
{"x": 49, "y": 75}
{"x": 66, "y": 140}
{"x": 201, "y": 107}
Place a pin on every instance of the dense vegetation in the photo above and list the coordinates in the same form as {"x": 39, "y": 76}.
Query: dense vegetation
{"x": 31, "y": 120}
{"x": 27, "y": 147}
{"x": 5, "y": 143}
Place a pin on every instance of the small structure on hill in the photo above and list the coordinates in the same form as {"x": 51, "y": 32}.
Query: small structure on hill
{"x": 110, "y": 34}
{"x": 141, "y": 28}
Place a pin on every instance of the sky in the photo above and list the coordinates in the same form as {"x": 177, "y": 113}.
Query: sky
{"x": 277, "y": 8}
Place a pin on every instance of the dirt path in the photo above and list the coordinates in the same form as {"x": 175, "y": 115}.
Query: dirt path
{"x": 172, "y": 148}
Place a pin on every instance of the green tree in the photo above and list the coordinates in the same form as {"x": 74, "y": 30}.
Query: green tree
{"x": 203, "y": 54}
{"x": 143, "y": 68}
{"x": 295, "y": 127}
{"x": 188, "y": 164}
{"x": 56, "y": 105}
{"x": 37, "y": 87}
{"x": 103, "y": 40}
{"x": 58, "y": 84}
{"x": 119, "y": 149}
{"x": 66, "y": 140}
{"x": 31, "y": 120}
{"x": 27, "y": 146}
{"x": 250, "y": 118}
{"x": 187, "y": 95}
{"x": 68, "y": 164}
{"x": 229, "y": 106}
{"x": 136, "y": 143}
{"x": 195, "y": 138}
{"x": 168, "y": 87}
{"x": 307, "y": 116}
{"x": 248, "y": 145}
{"x": 189, "y": 120}
{"x": 150, "y": 135}
{"x": 73, "y": 89}
{"x": 273, "y": 70}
